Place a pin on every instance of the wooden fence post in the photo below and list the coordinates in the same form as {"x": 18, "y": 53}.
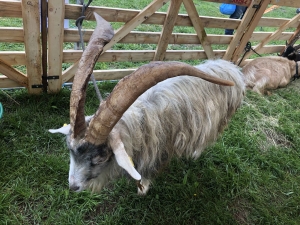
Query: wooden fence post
{"x": 56, "y": 14}
{"x": 31, "y": 24}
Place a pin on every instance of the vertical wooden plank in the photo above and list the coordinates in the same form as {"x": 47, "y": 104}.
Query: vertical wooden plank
{"x": 167, "y": 30}
{"x": 31, "y": 23}
{"x": 56, "y": 14}
{"x": 199, "y": 28}
{"x": 245, "y": 30}
{"x": 240, "y": 32}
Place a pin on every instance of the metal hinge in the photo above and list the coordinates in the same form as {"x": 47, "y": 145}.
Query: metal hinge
{"x": 37, "y": 86}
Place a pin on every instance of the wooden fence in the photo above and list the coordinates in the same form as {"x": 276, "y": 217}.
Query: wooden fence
{"x": 43, "y": 60}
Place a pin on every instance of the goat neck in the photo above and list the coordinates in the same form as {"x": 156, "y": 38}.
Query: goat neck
{"x": 131, "y": 87}
{"x": 102, "y": 34}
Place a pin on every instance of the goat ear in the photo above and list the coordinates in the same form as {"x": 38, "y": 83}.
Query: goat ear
{"x": 63, "y": 130}
{"x": 122, "y": 157}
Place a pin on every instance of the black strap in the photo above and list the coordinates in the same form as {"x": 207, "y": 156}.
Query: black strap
{"x": 248, "y": 47}
{"x": 296, "y": 76}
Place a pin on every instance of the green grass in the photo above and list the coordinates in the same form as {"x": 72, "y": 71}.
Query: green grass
{"x": 251, "y": 175}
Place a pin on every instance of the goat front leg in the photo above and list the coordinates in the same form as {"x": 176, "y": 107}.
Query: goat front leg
{"x": 143, "y": 186}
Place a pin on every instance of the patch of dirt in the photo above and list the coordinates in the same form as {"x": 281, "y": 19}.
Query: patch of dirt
{"x": 241, "y": 210}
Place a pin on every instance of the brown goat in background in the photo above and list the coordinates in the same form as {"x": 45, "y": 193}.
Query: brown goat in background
{"x": 269, "y": 73}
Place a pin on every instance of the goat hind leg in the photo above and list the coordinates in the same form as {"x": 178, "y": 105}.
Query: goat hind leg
{"x": 260, "y": 85}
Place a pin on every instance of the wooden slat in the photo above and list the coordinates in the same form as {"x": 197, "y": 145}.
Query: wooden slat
{"x": 72, "y": 56}
{"x": 124, "y": 30}
{"x": 10, "y": 9}
{"x": 137, "y": 20}
{"x": 13, "y": 57}
{"x": 31, "y": 23}
{"x": 288, "y": 3}
{"x": 56, "y": 16}
{"x": 115, "y": 74}
{"x": 13, "y": 74}
{"x": 69, "y": 73}
{"x": 236, "y": 2}
{"x": 125, "y": 15}
{"x": 247, "y": 19}
{"x": 71, "y": 35}
{"x": 271, "y": 8}
{"x": 167, "y": 30}
{"x": 258, "y": 36}
{"x": 199, "y": 27}
{"x": 268, "y": 49}
{"x": 274, "y": 35}
{"x": 135, "y": 56}
{"x": 245, "y": 38}
{"x": 8, "y": 83}
{"x": 11, "y": 34}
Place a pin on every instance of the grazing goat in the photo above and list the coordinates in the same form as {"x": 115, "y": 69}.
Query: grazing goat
{"x": 142, "y": 124}
{"x": 267, "y": 73}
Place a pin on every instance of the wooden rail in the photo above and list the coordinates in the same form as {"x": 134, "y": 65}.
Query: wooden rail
{"x": 199, "y": 45}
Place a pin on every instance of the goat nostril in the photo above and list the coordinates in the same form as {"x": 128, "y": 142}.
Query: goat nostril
{"x": 74, "y": 188}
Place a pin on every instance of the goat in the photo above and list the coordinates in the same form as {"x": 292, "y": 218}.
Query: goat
{"x": 292, "y": 53}
{"x": 268, "y": 73}
{"x": 147, "y": 120}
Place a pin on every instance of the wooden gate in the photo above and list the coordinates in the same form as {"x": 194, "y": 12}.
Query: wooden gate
{"x": 44, "y": 64}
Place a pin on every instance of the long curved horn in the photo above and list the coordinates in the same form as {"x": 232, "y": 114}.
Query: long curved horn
{"x": 131, "y": 87}
{"x": 102, "y": 34}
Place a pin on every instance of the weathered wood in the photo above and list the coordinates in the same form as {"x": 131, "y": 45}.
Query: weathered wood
{"x": 8, "y": 83}
{"x": 199, "y": 27}
{"x": 115, "y": 74}
{"x": 271, "y": 8}
{"x": 10, "y": 9}
{"x": 167, "y": 30}
{"x": 69, "y": 73}
{"x": 131, "y": 19}
{"x": 125, "y": 15}
{"x": 274, "y": 35}
{"x": 236, "y": 2}
{"x": 245, "y": 38}
{"x": 288, "y": 3}
{"x": 11, "y": 34}
{"x": 239, "y": 34}
{"x": 13, "y": 74}
{"x": 56, "y": 14}
{"x": 137, "y": 20}
{"x": 71, "y": 35}
{"x": 124, "y": 30}
{"x": 31, "y": 23}
{"x": 71, "y": 56}
{"x": 13, "y": 57}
